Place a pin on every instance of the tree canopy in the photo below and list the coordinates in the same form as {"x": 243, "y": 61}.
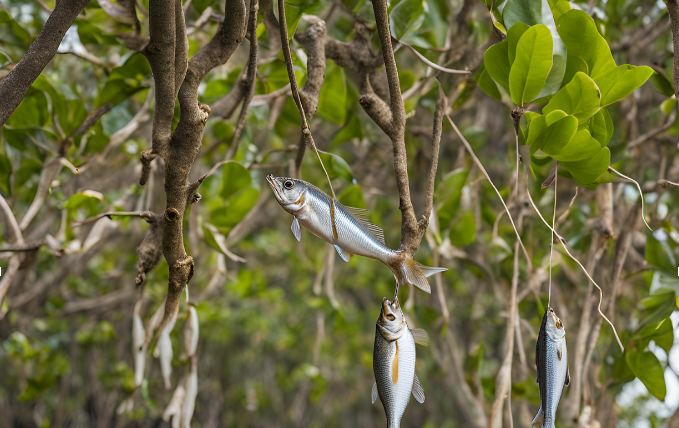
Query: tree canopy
{"x": 149, "y": 277}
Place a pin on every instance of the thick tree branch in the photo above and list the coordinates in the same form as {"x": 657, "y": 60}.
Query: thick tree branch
{"x": 14, "y": 87}
{"x": 673, "y": 9}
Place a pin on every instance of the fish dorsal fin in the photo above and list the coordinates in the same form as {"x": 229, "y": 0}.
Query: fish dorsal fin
{"x": 374, "y": 393}
{"x": 568, "y": 377}
{"x": 363, "y": 217}
{"x": 421, "y": 337}
{"x": 418, "y": 391}
{"x": 343, "y": 254}
{"x": 296, "y": 230}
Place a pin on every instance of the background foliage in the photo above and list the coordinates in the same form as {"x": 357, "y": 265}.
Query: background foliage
{"x": 286, "y": 328}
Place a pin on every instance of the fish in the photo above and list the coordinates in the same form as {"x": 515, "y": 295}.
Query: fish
{"x": 394, "y": 359}
{"x": 551, "y": 359}
{"x": 347, "y": 228}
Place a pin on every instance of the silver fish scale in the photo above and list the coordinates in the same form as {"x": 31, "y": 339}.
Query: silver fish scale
{"x": 352, "y": 236}
{"x": 395, "y": 398}
{"x": 555, "y": 376}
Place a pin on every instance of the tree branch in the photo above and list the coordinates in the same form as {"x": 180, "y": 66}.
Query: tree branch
{"x": 673, "y": 9}
{"x": 14, "y": 87}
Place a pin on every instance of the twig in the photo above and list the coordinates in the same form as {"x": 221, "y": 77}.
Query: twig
{"x": 425, "y": 60}
{"x": 11, "y": 221}
{"x": 251, "y": 79}
{"x": 652, "y": 133}
{"x": 108, "y": 214}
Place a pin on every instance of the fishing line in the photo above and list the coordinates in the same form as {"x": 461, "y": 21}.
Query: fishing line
{"x": 306, "y": 130}
{"x": 563, "y": 243}
{"x": 641, "y": 194}
{"x": 551, "y": 240}
{"x": 483, "y": 170}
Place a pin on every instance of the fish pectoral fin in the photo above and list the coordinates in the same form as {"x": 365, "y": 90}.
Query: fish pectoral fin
{"x": 421, "y": 337}
{"x": 374, "y": 393}
{"x": 536, "y": 416}
{"x": 363, "y": 217}
{"x": 343, "y": 254}
{"x": 568, "y": 377}
{"x": 559, "y": 353}
{"x": 296, "y": 229}
{"x": 418, "y": 391}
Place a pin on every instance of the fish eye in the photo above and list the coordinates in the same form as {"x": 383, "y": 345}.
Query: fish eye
{"x": 289, "y": 184}
{"x": 391, "y": 317}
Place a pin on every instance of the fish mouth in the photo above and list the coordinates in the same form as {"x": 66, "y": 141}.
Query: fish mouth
{"x": 272, "y": 182}
{"x": 557, "y": 321}
{"x": 387, "y": 310}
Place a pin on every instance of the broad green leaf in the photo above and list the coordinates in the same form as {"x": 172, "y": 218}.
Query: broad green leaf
{"x": 656, "y": 307}
{"x": 513, "y": 36}
{"x": 235, "y": 177}
{"x": 658, "y": 251}
{"x": 488, "y": 85}
{"x": 582, "y": 39}
{"x": 405, "y": 17}
{"x": 352, "y": 196}
{"x": 226, "y": 217}
{"x": 532, "y": 64}
{"x": 554, "y": 79}
{"x": 662, "y": 84}
{"x": 528, "y": 12}
{"x": 32, "y": 112}
{"x": 668, "y": 105}
{"x": 554, "y": 137}
{"x": 332, "y": 103}
{"x": 337, "y": 166}
{"x": 463, "y": 230}
{"x": 294, "y": 9}
{"x": 497, "y": 63}
{"x": 11, "y": 33}
{"x": 588, "y": 170}
{"x": 539, "y": 123}
{"x": 661, "y": 333}
{"x": 559, "y": 7}
{"x": 115, "y": 92}
{"x": 647, "y": 368}
{"x": 5, "y": 172}
{"x": 621, "y": 81}
{"x": 579, "y": 98}
{"x": 581, "y": 146}
{"x": 136, "y": 67}
{"x": 601, "y": 126}
{"x": 448, "y": 194}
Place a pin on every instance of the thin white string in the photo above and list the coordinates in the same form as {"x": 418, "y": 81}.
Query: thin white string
{"x": 551, "y": 240}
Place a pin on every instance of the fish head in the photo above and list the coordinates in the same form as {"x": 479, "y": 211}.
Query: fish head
{"x": 555, "y": 328}
{"x": 391, "y": 320}
{"x": 290, "y": 192}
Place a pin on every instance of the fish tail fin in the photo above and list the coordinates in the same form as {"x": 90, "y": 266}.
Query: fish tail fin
{"x": 537, "y": 416}
{"x": 416, "y": 273}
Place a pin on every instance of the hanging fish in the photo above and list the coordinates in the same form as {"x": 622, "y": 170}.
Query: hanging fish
{"x": 347, "y": 228}
{"x": 394, "y": 362}
{"x": 551, "y": 359}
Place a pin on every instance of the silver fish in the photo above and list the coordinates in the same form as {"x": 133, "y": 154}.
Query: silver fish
{"x": 347, "y": 228}
{"x": 551, "y": 359}
{"x": 394, "y": 362}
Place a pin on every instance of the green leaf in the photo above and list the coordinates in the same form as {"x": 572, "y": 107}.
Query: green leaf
{"x": 525, "y": 11}
{"x": 582, "y": 146}
{"x": 405, "y": 17}
{"x": 497, "y": 63}
{"x": 463, "y": 231}
{"x": 337, "y": 166}
{"x": 656, "y": 307}
{"x": 621, "y": 81}
{"x": 513, "y": 36}
{"x": 554, "y": 79}
{"x": 31, "y": 113}
{"x": 235, "y": 177}
{"x": 332, "y": 102}
{"x": 539, "y": 124}
{"x": 448, "y": 194}
{"x": 661, "y": 333}
{"x": 582, "y": 39}
{"x": 352, "y": 196}
{"x": 668, "y": 105}
{"x": 662, "y": 84}
{"x": 554, "y": 137}
{"x": 488, "y": 85}
{"x": 559, "y": 7}
{"x": 647, "y": 368}
{"x": 588, "y": 170}
{"x": 658, "y": 251}
{"x": 294, "y": 9}
{"x": 580, "y": 98}
{"x": 601, "y": 126}
{"x": 237, "y": 207}
{"x": 532, "y": 64}
{"x": 5, "y": 173}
